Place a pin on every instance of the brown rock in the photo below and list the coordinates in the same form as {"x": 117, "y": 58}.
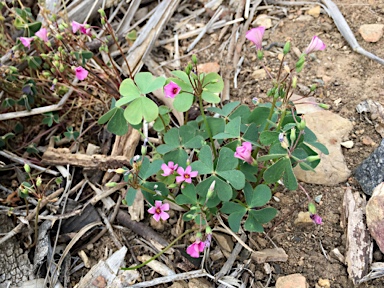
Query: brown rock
{"x": 263, "y": 20}
{"x": 270, "y": 255}
{"x": 225, "y": 241}
{"x": 208, "y": 67}
{"x": 375, "y": 215}
{"x": 371, "y": 32}
{"x": 315, "y": 11}
{"x": 292, "y": 281}
{"x": 324, "y": 283}
{"x": 303, "y": 218}
{"x": 259, "y": 74}
{"x": 330, "y": 129}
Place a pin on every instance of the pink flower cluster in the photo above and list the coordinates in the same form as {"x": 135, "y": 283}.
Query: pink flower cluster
{"x": 83, "y": 28}
{"x": 158, "y": 211}
{"x": 184, "y": 175}
{"x": 42, "y": 34}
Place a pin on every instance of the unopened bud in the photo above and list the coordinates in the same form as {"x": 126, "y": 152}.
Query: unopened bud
{"x": 301, "y": 125}
{"x": 211, "y": 189}
{"x": 311, "y": 208}
{"x": 194, "y": 59}
{"x": 144, "y": 150}
{"x": 294, "y": 82}
{"x": 292, "y": 135}
{"x": 300, "y": 64}
{"x": 102, "y": 12}
{"x": 27, "y": 168}
{"x": 313, "y": 87}
{"x": 188, "y": 68}
{"x": 313, "y": 158}
{"x": 287, "y": 47}
{"x": 111, "y": 184}
{"x": 173, "y": 185}
{"x": 59, "y": 37}
{"x": 208, "y": 230}
{"x": 38, "y": 181}
{"x": 120, "y": 171}
{"x": 324, "y": 106}
{"x": 61, "y": 68}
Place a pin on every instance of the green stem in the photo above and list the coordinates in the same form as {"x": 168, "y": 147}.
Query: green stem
{"x": 162, "y": 120}
{"x": 207, "y": 126}
{"x": 165, "y": 198}
{"x": 161, "y": 252}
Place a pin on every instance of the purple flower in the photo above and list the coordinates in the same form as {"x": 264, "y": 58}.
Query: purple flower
{"x": 316, "y": 219}
{"x": 81, "y": 73}
{"x": 42, "y": 34}
{"x": 171, "y": 90}
{"x": 195, "y": 248}
{"x": 281, "y": 137}
{"x": 76, "y": 26}
{"x": 185, "y": 175}
{"x": 256, "y": 36}
{"x": 315, "y": 45}
{"x": 169, "y": 169}
{"x": 243, "y": 152}
{"x": 26, "y": 41}
{"x": 158, "y": 211}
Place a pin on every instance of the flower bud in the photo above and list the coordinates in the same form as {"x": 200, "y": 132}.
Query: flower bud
{"x": 56, "y": 63}
{"x": 311, "y": 208}
{"x": 59, "y": 37}
{"x": 313, "y": 87}
{"x": 144, "y": 150}
{"x": 27, "y": 168}
{"x": 211, "y": 189}
{"x": 61, "y": 27}
{"x": 300, "y": 64}
{"x": 102, "y": 21}
{"x": 38, "y": 181}
{"x": 171, "y": 186}
{"x": 111, "y": 184}
{"x": 194, "y": 59}
{"x": 292, "y": 136}
{"x": 208, "y": 230}
{"x": 324, "y": 106}
{"x": 301, "y": 125}
{"x": 287, "y": 48}
{"x": 120, "y": 170}
{"x": 313, "y": 158}
{"x": 188, "y": 68}
{"x": 294, "y": 82}
{"x": 101, "y": 12}
{"x": 61, "y": 68}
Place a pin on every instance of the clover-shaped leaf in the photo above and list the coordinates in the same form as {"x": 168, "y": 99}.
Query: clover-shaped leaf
{"x": 140, "y": 108}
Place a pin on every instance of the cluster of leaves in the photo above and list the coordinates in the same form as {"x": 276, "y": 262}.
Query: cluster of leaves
{"x": 241, "y": 189}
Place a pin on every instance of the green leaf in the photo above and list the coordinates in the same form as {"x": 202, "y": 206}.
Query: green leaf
{"x": 165, "y": 148}
{"x": 148, "y": 83}
{"x": 243, "y": 111}
{"x": 269, "y": 137}
{"x": 217, "y": 125}
{"x": 258, "y": 217}
{"x": 178, "y": 156}
{"x": 236, "y": 213}
{"x": 140, "y": 108}
{"x": 257, "y": 197}
{"x": 130, "y": 196}
{"x": 195, "y": 142}
{"x": 150, "y": 169}
{"x": 34, "y": 62}
{"x": 274, "y": 172}
{"x": 8, "y": 102}
{"x": 252, "y": 133}
{"x": 213, "y": 82}
{"x": 259, "y": 116}
{"x": 205, "y": 163}
{"x": 289, "y": 177}
{"x": 232, "y": 129}
{"x": 322, "y": 148}
{"x": 181, "y": 74}
{"x": 249, "y": 171}
{"x": 188, "y": 196}
{"x": 129, "y": 89}
{"x": 183, "y": 101}
{"x": 171, "y": 138}
{"x": 235, "y": 177}
{"x": 117, "y": 123}
{"x": 227, "y": 160}
{"x": 270, "y": 157}
{"x": 158, "y": 125}
{"x": 210, "y": 97}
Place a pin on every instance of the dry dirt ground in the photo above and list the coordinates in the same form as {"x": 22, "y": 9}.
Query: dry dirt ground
{"x": 344, "y": 79}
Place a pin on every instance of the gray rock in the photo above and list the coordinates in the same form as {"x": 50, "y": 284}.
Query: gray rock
{"x": 370, "y": 172}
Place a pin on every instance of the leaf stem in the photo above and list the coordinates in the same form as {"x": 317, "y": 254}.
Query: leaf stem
{"x": 206, "y": 125}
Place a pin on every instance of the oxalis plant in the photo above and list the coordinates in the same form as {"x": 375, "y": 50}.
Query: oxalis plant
{"x": 227, "y": 159}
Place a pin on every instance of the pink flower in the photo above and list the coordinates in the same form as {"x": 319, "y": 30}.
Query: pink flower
{"x": 169, "y": 169}
{"x": 81, "y": 73}
{"x": 256, "y": 36}
{"x": 76, "y": 26}
{"x": 42, "y": 34}
{"x": 315, "y": 45}
{"x": 171, "y": 90}
{"x": 185, "y": 175}
{"x": 195, "y": 248}
{"x": 26, "y": 41}
{"x": 243, "y": 152}
{"x": 158, "y": 211}
{"x": 316, "y": 219}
